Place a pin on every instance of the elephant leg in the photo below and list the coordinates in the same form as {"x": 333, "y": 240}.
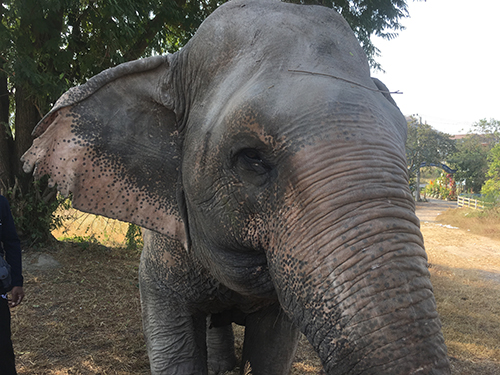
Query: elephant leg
{"x": 220, "y": 348}
{"x": 270, "y": 342}
{"x": 176, "y": 341}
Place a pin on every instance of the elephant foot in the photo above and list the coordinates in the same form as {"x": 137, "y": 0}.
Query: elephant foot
{"x": 221, "y": 366}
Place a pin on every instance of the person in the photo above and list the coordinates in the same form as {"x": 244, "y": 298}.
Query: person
{"x": 10, "y": 248}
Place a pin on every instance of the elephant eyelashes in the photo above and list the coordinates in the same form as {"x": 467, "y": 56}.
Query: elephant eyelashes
{"x": 251, "y": 154}
{"x": 251, "y": 166}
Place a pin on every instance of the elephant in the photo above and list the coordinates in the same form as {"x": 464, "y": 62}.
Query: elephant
{"x": 267, "y": 168}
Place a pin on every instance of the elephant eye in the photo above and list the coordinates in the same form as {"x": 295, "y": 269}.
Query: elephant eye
{"x": 251, "y": 166}
{"x": 251, "y": 156}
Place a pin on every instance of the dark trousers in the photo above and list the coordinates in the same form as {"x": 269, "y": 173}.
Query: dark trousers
{"x": 7, "y": 364}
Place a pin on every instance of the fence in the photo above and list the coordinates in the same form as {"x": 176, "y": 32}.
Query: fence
{"x": 472, "y": 203}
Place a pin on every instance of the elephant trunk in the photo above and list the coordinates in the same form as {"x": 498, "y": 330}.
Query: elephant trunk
{"x": 351, "y": 271}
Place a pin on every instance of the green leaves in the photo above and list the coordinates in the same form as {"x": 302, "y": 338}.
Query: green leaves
{"x": 491, "y": 188}
{"x": 425, "y": 144}
{"x": 476, "y": 157}
{"x": 490, "y": 130}
{"x": 470, "y": 161}
{"x": 43, "y": 40}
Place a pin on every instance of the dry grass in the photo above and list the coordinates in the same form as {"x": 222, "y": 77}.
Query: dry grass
{"x": 86, "y": 227}
{"x": 84, "y": 317}
{"x": 465, "y": 272}
{"x": 469, "y": 307}
{"x": 484, "y": 223}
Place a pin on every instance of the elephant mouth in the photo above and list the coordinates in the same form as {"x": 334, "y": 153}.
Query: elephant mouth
{"x": 244, "y": 271}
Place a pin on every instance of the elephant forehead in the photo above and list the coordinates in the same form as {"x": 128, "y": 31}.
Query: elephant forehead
{"x": 299, "y": 113}
{"x": 248, "y": 37}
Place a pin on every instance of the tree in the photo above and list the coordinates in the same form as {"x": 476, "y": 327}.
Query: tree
{"x": 47, "y": 46}
{"x": 472, "y": 153}
{"x": 425, "y": 144}
{"x": 490, "y": 130}
{"x": 470, "y": 161}
{"x": 491, "y": 188}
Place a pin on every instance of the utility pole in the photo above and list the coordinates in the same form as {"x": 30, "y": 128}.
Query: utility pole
{"x": 417, "y": 190}
{"x": 417, "y": 187}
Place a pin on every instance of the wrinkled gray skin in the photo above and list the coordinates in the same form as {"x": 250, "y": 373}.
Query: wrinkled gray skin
{"x": 275, "y": 199}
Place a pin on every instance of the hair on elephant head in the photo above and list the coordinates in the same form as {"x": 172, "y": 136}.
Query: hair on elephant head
{"x": 273, "y": 197}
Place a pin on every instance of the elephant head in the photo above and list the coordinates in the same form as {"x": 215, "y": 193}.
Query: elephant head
{"x": 266, "y": 148}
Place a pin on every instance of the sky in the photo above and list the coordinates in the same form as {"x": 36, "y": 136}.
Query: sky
{"x": 446, "y": 62}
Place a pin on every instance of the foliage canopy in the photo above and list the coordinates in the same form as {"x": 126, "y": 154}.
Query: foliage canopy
{"x": 491, "y": 188}
{"x": 425, "y": 144}
{"x": 489, "y": 129}
{"x": 470, "y": 161}
{"x": 474, "y": 153}
{"x": 491, "y": 134}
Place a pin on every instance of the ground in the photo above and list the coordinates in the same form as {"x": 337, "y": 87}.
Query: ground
{"x": 465, "y": 272}
{"x": 81, "y": 314}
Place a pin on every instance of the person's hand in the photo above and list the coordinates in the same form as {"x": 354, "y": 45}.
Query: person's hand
{"x": 17, "y": 295}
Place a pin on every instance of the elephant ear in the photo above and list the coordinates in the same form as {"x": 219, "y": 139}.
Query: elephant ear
{"x": 113, "y": 143}
{"x": 385, "y": 91}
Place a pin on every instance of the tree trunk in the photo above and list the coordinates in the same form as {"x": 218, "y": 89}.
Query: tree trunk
{"x": 26, "y": 119}
{"x": 6, "y": 141}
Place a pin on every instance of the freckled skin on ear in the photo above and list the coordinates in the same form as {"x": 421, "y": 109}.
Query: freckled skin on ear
{"x": 271, "y": 198}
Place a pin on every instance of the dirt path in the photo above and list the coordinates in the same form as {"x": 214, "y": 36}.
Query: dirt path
{"x": 444, "y": 242}
{"x": 428, "y": 211}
